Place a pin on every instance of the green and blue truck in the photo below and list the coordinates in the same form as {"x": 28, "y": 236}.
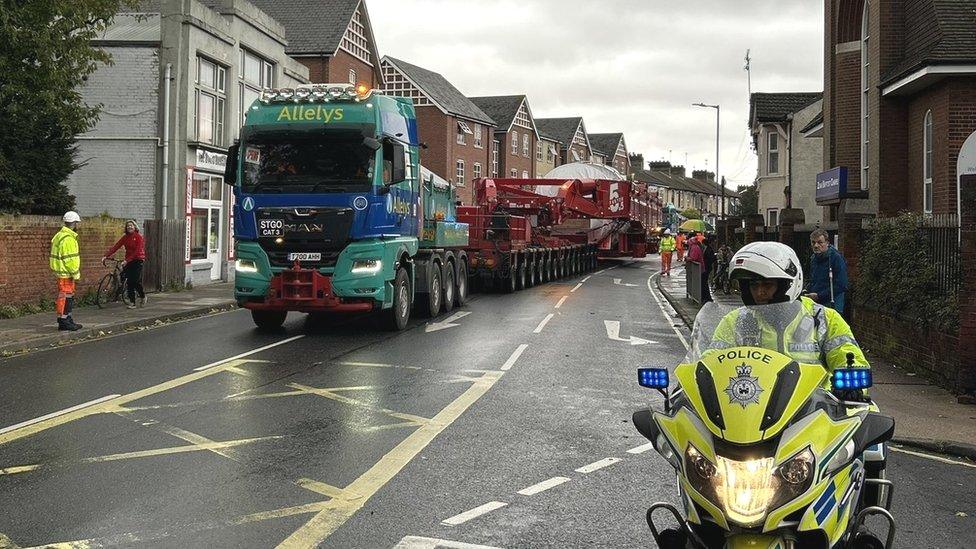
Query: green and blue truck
{"x": 333, "y": 212}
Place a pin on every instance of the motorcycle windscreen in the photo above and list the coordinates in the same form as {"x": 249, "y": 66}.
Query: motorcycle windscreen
{"x": 747, "y": 395}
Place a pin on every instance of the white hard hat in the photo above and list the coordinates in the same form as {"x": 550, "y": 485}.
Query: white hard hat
{"x": 72, "y": 217}
{"x": 768, "y": 261}
{"x": 667, "y": 232}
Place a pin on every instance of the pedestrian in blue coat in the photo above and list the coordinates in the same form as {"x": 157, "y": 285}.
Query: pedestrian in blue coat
{"x": 828, "y": 273}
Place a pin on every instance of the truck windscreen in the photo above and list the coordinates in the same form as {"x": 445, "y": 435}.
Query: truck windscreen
{"x": 306, "y": 162}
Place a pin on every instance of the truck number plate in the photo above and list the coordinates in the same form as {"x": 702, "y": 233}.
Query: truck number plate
{"x": 271, "y": 227}
{"x": 305, "y": 256}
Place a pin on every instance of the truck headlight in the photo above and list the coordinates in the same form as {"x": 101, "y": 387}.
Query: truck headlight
{"x": 366, "y": 266}
{"x": 245, "y": 266}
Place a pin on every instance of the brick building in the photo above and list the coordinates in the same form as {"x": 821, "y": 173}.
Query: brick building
{"x": 516, "y": 134}
{"x": 333, "y": 38}
{"x": 458, "y": 134}
{"x": 788, "y": 161}
{"x": 899, "y": 101}
{"x": 573, "y": 140}
{"x": 613, "y": 148}
{"x": 173, "y": 101}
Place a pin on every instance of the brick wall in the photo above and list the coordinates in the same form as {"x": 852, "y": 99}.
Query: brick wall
{"x": 508, "y": 161}
{"x": 905, "y": 344}
{"x": 436, "y": 130}
{"x": 118, "y": 174}
{"x": 335, "y": 69}
{"x": 25, "y": 247}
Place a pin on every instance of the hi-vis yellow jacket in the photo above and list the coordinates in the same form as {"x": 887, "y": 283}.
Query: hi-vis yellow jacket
{"x": 816, "y": 335}
{"x": 667, "y": 244}
{"x": 65, "y": 255}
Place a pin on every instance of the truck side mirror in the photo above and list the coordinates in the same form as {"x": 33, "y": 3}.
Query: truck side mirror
{"x": 230, "y": 168}
{"x": 399, "y": 164}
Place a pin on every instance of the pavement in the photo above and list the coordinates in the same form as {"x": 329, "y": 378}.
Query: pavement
{"x": 40, "y": 331}
{"x": 505, "y": 423}
{"x": 926, "y": 416}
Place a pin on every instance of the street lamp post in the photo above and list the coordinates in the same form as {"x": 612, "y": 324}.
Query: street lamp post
{"x": 718, "y": 115}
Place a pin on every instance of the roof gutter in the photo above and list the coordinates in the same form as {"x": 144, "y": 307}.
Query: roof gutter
{"x": 926, "y": 76}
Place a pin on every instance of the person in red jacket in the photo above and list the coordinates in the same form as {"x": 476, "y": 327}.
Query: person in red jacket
{"x": 135, "y": 256}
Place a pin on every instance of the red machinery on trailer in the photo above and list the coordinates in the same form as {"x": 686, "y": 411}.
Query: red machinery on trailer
{"x": 515, "y": 239}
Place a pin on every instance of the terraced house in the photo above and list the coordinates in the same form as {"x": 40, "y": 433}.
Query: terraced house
{"x": 516, "y": 134}
{"x": 613, "y": 148}
{"x": 457, "y": 133}
{"x": 574, "y": 142}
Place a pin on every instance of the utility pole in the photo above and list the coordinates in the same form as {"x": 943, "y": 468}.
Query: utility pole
{"x": 718, "y": 130}
{"x": 748, "y": 69}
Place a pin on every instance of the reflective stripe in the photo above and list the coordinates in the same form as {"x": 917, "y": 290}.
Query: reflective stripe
{"x": 804, "y": 347}
{"x": 720, "y": 344}
{"x": 836, "y": 342}
{"x": 69, "y": 256}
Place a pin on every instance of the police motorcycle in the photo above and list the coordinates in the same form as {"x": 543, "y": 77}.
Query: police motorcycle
{"x": 769, "y": 452}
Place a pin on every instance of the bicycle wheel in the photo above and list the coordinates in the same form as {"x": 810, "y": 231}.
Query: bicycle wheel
{"x": 108, "y": 289}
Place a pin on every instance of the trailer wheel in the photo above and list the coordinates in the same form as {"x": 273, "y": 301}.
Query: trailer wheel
{"x": 521, "y": 275}
{"x": 544, "y": 269}
{"x": 396, "y": 317}
{"x": 461, "y": 289}
{"x": 268, "y": 320}
{"x": 509, "y": 283}
{"x": 432, "y": 306}
{"x": 552, "y": 266}
{"x": 532, "y": 272}
{"x": 449, "y": 288}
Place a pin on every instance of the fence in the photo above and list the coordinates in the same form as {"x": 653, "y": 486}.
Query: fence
{"x": 939, "y": 234}
{"x": 165, "y": 248}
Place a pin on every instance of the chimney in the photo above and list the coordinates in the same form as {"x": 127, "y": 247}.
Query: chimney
{"x": 678, "y": 170}
{"x": 703, "y": 175}
{"x": 659, "y": 165}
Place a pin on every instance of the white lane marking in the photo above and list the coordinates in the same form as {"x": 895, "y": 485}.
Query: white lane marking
{"x": 249, "y": 353}
{"x": 667, "y": 317}
{"x": 58, "y": 413}
{"x": 933, "y": 458}
{"x": 474, "y": 513}
{"x": 597, "y": 465}
{"x": 543, "y": 486}
{"x": 538, "y": 329}
{"x": 620, "y": 282}
{"x": 585, "y": 279}
{"x": 641, "y": 449}
{"x": 417, "y": 542}
{"x": 561, "y": 301}
{"x": 447, "y": 323}
{"x": 577, "y": 287}
{"x": 613, "y": 332}
{"x": 515, "y": 356}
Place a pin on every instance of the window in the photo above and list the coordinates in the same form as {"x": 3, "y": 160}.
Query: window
{"x": 210, "y": 95}
{"x": 205, "y": 220}
{"x": 477, "y": 170}
{"x": 525, "y": 145}
{"x": 462, "y": 130}
{"x": 477, "y": 136}
{"x": 514, "y": 173}
{"x": 538, "y": 151}
{"x": 773, "y": 150}
{"x": 459, "y": 173}
{"x": 927, "y": 164}
{"x": 514, "y": 143}
{"x": 865, "y": 98}
{"x": 772, "y": 217}
{"x": 255, "y": 74}
{"x": 352, "y": 76}
{"x": 494, "y": 158}
{"x": 354, "y": 39}
{"x": 551, "y": 153}
{"x": 525, "y": 174}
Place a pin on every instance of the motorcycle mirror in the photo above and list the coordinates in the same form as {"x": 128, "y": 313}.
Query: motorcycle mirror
{"x": 645, "y": 424}
{"x": 875, "y": 429}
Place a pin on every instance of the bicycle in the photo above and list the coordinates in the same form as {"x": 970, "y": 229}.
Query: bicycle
{"x": 112, "y": 287}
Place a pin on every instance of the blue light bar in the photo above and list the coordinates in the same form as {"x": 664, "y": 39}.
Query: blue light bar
{"x": 852, "y": 378}
{"x": 653, "y": 378}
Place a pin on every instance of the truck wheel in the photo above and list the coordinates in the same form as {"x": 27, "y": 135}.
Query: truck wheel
{"x": 461, "y": 291}
{"x": 268, "y": 320}
{"x": 432, "y": 306}
{"x": 448, "y": 288}
{"x": 396, "y": 317}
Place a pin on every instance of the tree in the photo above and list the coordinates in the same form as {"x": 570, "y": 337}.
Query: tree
{"x": 748, "y": 200}
{"x": 45, "y": 54}
{"x": 691, "y": 213}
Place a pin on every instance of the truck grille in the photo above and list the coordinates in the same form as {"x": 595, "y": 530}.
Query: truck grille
{"x": 309, "y": 230}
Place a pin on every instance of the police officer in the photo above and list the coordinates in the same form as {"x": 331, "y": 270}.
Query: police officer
{"x": 66, "y": 264}
{"x": 769, "y": 273}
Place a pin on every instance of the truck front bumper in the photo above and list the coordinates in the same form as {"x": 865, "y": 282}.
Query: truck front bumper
{"x": 307, "y": 291}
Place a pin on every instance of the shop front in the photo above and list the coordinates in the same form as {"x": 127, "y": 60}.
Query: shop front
{"x": 207, "y": 217}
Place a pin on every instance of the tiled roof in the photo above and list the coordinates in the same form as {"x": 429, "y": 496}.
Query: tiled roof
{"x": 606, "y": 143}
{"x": 941, "y": 31}
{"x": 560, "y": 129}
{"x": 775, "y": 107}
{"x": 441, "y": 92}
{"x": 311, "y": 26}
{"x": 501, "y": 108}
{"x": 682, "y": 183}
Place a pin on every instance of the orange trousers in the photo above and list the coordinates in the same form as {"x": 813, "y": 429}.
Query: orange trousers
{"x": 666, "y": 262}
{"x": 66, "y": 294}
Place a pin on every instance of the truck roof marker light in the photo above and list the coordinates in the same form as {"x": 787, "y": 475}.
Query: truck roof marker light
{"x": 285, "y": 94}
{"x": 302, "y": 94}
{"x": 268, "y": 95}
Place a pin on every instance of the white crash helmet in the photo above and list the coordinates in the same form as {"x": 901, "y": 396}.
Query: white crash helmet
{"x": 72, "y": 217}
{"x": 768, "y": 261}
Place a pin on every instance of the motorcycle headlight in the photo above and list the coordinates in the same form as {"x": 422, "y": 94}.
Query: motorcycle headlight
{"x": 747, "y": 490}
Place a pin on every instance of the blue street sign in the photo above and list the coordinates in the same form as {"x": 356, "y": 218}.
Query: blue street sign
{"x": 831, "y": 185}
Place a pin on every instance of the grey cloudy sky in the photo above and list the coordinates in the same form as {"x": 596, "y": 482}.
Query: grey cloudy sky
{"x": 634, "y": 66}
